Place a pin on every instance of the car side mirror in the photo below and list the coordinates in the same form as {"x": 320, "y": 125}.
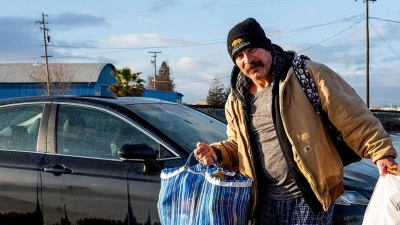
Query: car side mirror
{"x": 140, "y": 152}
{"x": 135, "y": 152}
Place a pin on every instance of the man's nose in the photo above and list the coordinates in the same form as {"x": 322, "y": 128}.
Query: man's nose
{"x": 247, "y": 57}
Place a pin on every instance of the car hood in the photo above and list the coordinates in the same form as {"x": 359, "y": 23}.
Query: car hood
{"x": 361, "y": 175}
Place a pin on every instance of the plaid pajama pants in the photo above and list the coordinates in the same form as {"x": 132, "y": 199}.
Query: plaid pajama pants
{"x": 291, "y": 212}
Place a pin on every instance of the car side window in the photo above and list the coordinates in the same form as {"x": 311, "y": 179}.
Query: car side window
{"x": 90, "y": 132}
{"x": 19, "y": 127}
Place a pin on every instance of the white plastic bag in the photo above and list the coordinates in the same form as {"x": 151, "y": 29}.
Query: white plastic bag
{"x": 384, "y": 206}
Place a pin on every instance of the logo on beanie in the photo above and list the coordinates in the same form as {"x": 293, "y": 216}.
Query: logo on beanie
{"x": 238, "y": 44}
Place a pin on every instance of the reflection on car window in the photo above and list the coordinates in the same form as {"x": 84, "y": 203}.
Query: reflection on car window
{"x": 184, "y": 125}
{"x": 89, "y": 132}
{"x": 19, "y": 127}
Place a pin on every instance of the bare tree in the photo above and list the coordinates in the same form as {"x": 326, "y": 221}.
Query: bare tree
{"x": 61, "y": 79}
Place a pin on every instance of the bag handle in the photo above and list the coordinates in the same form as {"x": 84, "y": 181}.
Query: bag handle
{"x": 393, "y": 170}
{"x": 192, "y": 155}
{"x": 208, "y": 167}
{"x": 188, "y": 159}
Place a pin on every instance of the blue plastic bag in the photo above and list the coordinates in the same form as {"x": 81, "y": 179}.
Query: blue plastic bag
{"x": 192, "y": 195}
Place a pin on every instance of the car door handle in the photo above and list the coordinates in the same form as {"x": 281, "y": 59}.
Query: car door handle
{"x": 57, "y": 170}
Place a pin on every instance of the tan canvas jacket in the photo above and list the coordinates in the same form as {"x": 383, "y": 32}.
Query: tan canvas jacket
{"x": 313, "y": 151}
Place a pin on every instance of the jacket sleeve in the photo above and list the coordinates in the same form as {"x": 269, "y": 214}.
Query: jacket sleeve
{"x": 361, "y": 130}
{"x": 228, "y": 148}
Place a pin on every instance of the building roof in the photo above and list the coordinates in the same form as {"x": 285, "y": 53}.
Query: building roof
{"x": 19, "y": 72}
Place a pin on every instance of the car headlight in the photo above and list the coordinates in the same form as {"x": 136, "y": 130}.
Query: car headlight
{"x": 352, "y": 198}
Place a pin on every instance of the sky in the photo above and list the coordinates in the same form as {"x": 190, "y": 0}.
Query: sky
{"x": 191, "y": 37}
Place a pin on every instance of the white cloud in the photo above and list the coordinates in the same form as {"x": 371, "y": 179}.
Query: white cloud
{"x": 193, "y": 76}
{"x": 136, "y": 39}
{"x": 201, "y": 69}
{"x": 144, "y": 40}
{"x": 149, "y": 20}
{"x": 161, "y": 5}
{"x": 185, "y": 63}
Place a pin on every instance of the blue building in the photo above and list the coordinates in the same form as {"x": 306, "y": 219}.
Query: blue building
{"x": 17, "y": 80}
{"x": 164, "y": 95}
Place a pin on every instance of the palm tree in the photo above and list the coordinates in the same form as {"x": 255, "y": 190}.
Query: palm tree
{"x": 128, "y": 84}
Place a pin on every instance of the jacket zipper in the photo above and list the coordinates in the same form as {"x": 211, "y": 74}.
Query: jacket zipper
{"x": 312, "y": 181}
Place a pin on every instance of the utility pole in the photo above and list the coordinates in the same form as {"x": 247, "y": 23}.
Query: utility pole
{"x": 367, "y": 55}
{"x": 155, "y": 67}
{"x": 345, "y": 70}
{"x": 46, "y": 39}
{"x": 367, "y": 51}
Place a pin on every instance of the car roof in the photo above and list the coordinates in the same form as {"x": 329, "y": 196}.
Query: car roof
{"x": 85, "y": 99}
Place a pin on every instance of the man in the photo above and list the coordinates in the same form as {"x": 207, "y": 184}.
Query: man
{"x": 277, "y": 139}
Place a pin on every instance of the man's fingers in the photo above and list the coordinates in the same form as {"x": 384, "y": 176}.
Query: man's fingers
{"x": 204, "y": 153}
{"x": 384, "y": 163}
{"x": 202, "y": 150}
{"x": 207, "y": 161}
{"x": 200, "y": 144}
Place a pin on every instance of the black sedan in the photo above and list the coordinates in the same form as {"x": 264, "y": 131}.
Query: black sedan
{"x": 93, "y": 160}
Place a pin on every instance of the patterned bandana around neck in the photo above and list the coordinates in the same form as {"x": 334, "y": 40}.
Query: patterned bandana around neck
{"x": 242, "y": 83}
{"x": 278, "y": 62}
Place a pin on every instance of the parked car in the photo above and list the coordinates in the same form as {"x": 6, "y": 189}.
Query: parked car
{"x": 96, "y": 160}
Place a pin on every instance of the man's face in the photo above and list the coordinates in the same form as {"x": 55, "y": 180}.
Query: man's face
{"x": 255, "y": 63}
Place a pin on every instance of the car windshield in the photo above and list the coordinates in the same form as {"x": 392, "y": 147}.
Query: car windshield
{"x": 184, "y": 125}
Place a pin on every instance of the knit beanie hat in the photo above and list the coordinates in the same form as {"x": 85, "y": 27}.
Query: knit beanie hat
{"x": 247, "y": 34}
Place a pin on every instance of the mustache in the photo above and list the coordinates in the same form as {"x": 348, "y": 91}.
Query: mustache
{"x": 254, "y": 64}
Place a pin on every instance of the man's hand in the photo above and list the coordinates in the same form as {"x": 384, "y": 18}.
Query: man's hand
{"x": 384, "y": 163}
{"x": 203, "y": 154}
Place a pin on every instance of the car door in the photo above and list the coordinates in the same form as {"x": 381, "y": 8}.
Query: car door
{"x": 21, "y": 158}
{"x": 84, "y": 181}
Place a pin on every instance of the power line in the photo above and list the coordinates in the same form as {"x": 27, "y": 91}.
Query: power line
{"x": 8, "y": 47}
{"x": 147, "y": 47}
{"x": 330, "y": 37}
{"x": 18, "y": 23}
{"x": 199, "y": 43}
{"x": 384, "y": 20}
{"x": 191, "y": 10}
{"x": 209, "y": 42}
{"x": 202, "y": 80}
{"x": 384, "y": 40}
{"x": 188, "y": 44}
{"x": 314, "y": 26}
